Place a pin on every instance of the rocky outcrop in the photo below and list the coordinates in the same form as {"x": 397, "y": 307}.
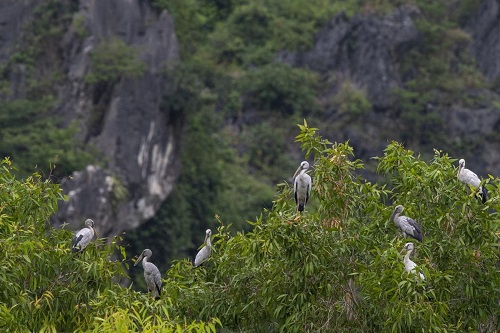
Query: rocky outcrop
{"x": 365, "y": 49}
{"x": 13, "y": 16}
{"x": 485, "y": 31}
{"x": 137, "y": 142}
{"x": 138, "y": 138}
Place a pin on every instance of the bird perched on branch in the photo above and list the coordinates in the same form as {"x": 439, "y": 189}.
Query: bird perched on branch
{"x": 302, "y": 186}
{"x": 410, "y": 266}
{"x": 151, "y": 273}
{"x": 206, "y": 251}
{"x": 468, "y": 177}
{"x": 407, "y": 225}
{"x": 83, "y": 237}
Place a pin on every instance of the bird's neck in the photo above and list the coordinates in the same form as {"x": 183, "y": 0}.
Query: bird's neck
{"x": 207, "y": 241}
{"x": 395, "y": 217}
{"x": 407, "y": 256}
{"x": 144, "y": 261}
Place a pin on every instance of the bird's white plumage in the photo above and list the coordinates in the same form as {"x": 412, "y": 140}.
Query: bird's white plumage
{"x": 84, "y": 236}
{"x": 302, "y": 186}
{"x": 407, "y": 225}
{"x": 466, "y": 176}
{"x": 152, "y": 274}
{"x": 206, "y": 251}
{"x": 411, "y": 266}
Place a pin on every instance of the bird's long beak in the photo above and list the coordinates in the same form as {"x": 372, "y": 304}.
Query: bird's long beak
{"x": 95, "y": 232}
{"x": 138, "y": 260}
{"x": 297, "y": 172}
{"x": 392, "y": 216}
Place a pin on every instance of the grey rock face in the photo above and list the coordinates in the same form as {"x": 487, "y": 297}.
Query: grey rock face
{"x": 368, "y": 49}
{"x": 13, "y": 15}
{"x": 140, "y": 141}
{"x": 485, "y": 31}
{"x": 137, "y": 141}
{"x": 364, "y": 49}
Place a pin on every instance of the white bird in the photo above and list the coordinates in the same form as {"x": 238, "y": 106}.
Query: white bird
{"x": 83, "y": 237}
{"x": 151, "y": 273}
{"x": 410, "y": 266}
{"x": 206, "y": 251}
{"x": 407, "y": 225}
{"x": 302, "y": 186}
{"x": 466, "y": 176}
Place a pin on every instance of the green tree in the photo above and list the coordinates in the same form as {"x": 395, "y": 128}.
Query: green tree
{"x": 47, "y": 288}
{"x": 339, "y": 268}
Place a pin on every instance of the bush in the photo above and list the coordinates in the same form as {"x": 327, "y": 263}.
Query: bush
{"x": 351, "y": 100}
{"x": 281, "y": 88}
{"x": 34, "y": 141}
{"x": 112, "y": 59}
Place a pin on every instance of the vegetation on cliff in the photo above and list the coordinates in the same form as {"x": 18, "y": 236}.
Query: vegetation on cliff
{"x": 240, "y": 102}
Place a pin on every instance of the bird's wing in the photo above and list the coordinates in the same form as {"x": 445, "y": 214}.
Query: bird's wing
{"x": 309, "y": 185}
{"x": 468, "y": 177}
{"x": 78, "y": 237}
{"x": 155, "y": 277}
{"x": 410, "y": 266}
{"x": 295, "y": 190}
{"x": 83, "y": 238}
{"x": 201, "y": 256}
{"x": 157, "y": 281}
{"x": 410, "y": 227}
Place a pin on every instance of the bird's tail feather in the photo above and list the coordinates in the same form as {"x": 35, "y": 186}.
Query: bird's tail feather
{"x": 484, "y": 195}
{"x": 301, "y": 207}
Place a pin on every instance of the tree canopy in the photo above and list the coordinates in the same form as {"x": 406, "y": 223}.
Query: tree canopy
{"x": 338, "y": 267}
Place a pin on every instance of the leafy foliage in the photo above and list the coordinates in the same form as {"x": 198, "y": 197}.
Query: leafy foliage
{"x": 112, "y": 59}
{"x": 34, "y": 140}
{"x": 46, "y": 287}
{"x": 339, "y": 268}
{"x": 351, "y": 100}
{"x": 279, "y": 87}
{"x": 213, "y": 181}
{"x": 31, "y": 135}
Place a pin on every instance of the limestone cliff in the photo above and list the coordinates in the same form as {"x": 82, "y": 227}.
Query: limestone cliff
{"x": 136, "y": 140}
{"x": 368, "y": 51}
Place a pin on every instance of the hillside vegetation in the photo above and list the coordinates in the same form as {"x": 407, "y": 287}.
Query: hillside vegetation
{"x": 242, "y": 105}
{"x": 336, "y": 268}
{"x": 230, "y": 72}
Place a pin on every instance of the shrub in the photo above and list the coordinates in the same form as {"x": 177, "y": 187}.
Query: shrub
{"x": 112, "y": 59}
{"x": 281, "y": 88}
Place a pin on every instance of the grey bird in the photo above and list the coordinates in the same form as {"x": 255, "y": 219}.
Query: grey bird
{"x": 83, "y": 237}
{"x": 410, "y": 266}
{"x": 468, "y": 177}
{"x": 407, "y": 225}
{"x": 206, "y": 251}
{"x": 151, "y": 273}
{"x": 302, "y": 186}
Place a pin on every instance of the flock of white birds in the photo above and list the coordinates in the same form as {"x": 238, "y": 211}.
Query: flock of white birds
{"x": 409, "y": 227}
{"x": 302, "y": 190}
